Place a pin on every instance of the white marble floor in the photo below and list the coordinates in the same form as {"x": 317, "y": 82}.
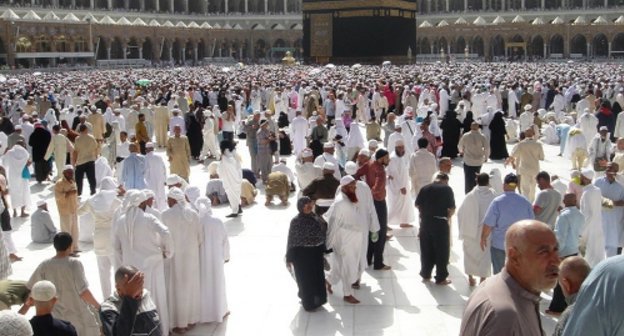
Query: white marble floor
{"x": 262, "y": 295}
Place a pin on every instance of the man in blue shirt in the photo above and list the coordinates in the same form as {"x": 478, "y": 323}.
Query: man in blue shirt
{"x": 568, "y": 230}
{"x": 506, "y": 209}
{"x": 133, "y": 173}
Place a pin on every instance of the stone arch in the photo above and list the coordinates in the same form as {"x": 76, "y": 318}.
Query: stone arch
{"x": 102, "y": 46}
{"x": 618, "y": 46}
{"x": 260, "y": 49}
{"x": 478, "y": 46}
{"x": 536, "y": 47}
{"x": 556, "y": 44}
{"x": 61, "y": 43}
{"x": 132, "y": 48}
{"x": 460, "y": 45}
{"x": 424, "y": 46}
{"x": 116, "y": 49}
{"x": 498, "y": 46}
{"x": 201, "y": 49}
{"x": 176, "y": 51}
{"x": 600, "y": 46}
{"x": 148, "y": 49}
{"x": 43, "y": 43}
{"x": 578, "y": 45}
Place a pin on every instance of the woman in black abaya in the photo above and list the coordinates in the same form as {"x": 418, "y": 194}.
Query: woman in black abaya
{"x": 451, "y": 131}
{"x": 304, "y": 254}
{"x": 498, "y": 144}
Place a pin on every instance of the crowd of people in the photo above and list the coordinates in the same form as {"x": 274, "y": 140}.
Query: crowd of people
{"x": 374, "y": 148}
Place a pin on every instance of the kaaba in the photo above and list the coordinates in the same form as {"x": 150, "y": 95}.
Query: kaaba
{"x": 362, "y": 31}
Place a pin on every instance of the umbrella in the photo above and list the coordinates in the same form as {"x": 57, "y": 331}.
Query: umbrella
{"x": 144, "y": 82}
{"x": 356, "y": 66}
{"x": 225, "y": 69}
{"x": 329, "y": 66}
{"x": 36, "y": 73}
{"x": 386, "y": 63}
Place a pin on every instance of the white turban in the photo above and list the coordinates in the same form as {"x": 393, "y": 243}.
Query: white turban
{"x": 193, "y": 194}
{"x": 14, "y": 324}
{"x": 132, "y": 201}
{"x": 588, "y": 173}
{"x": 176, "y": 194}
{"x": 350, "y": 168}
{"x": 329, "y": 166}
{"x": 204, "y": 205}
{"x": 108, "y": 183}
{"x": 346, "y": 180}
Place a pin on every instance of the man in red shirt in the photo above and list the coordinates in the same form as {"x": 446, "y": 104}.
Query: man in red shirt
{"x": 375, "y": 176}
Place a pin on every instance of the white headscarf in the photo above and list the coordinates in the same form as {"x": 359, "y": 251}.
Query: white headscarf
{"x": 204, "y": 205}
{"x": 103, "y": 199}
{"x": 133, "y": 199}
{"x": 192, "y": 193}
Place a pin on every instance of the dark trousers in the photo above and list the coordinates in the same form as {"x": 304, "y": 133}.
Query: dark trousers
{"x": 228, "y": 135}
{"x": 558, "y": 303}
{"x": 434, "y": 248}
{"x": 89, "y": 169}
{"x": 41, "y": 170}
{"x": 142, "y": 147}
{"x": 374, "y": 254}
{"x": 470, "y": 177}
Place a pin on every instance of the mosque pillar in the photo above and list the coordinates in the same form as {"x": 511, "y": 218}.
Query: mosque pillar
{"x": 127, "y": 4}
{"x": 157, "y": 5}
{"x": 226, "y": 6}
{"x": 195, "y": 53}
{"x": 609, "y": 50}
{"x": 109, "y": 4}
{"x": 543, "y": 4}
{"x": 92, "y": 4}
{"x": 545, "y": 50}
{"x": 286, "y": 6}
{"x": 240, "y": 51}
{"x": 447, "y": 3}
{"x": 124, "y": 50}
{"x": 589, "y": 51}
{"x": 483, "y": 5}
{"x": 606, "y": 3}
{"x": 266, "y": 6}
{"x": 183, "y": 55}
{"x": 584, "y": 4}
{"x": 108, "y": 52}
{"x": 171, "y": 54}
{"x": 171, "y": 6}
{"x": 141, "y": 51}
{"x": 142, "y": 5}
{"x": 73, "y": 4}
{"x": 428, "y": 7}
{"x": 246, "y": 6}
{"x": 566, "y": 48}
{"x": 465, "y": 5}
{"x": 186, "y": 6}
{"x": 522, "y": 4}
{"x": 502, "y": 5}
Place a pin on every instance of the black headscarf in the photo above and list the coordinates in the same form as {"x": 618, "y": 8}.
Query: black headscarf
{"x": 306, "y": 230}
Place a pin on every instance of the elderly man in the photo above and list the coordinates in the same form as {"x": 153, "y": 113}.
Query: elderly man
{"x": 130, "y": 311}
{"x": 86, "y": 150}
{"x": 504, "y": 210}
{"x": 572, "y": 273}
{"x": 506, "y": 304}
{"x": 66, "y": 196}
{"x": 348, "y": 233}
{"x": 328, "y": 156}
{"x": 42, "y": 229}
{"x": 179, "y": 154}
{"x": 183, "y": 282}
{"x": 422, "y": 166}
{"x": 475, "y": 149}
{"x": 592, "y": 237}
{"x": 470, "y": 217}
{"x": 613, "y": 209}
{"x": 155, "y": 175}
{"x": 133, "y": 173}
{"x": 141, "y": 239}
{"x": 74, "y": 296}
{"x": 436, "y": 205}
{"x": 400, "y": 210}
{"x": 526, "y": 155}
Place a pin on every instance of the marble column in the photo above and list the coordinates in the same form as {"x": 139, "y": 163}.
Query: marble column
{"x": 109, "y": 4}
{"x": 92, "y": 4}
{"x": 286, "y": 6}
{"x": 126, "y": 4}
{"x": 183, "y": 55}
{"x": 246, "y": 6}
{"x": 171, "y": 54}
{"x": 465, "y": 5}
{"x": 543, "y": 4}
{"x": 171, "y": 6}
{"x": 157, "y": 5}
{"x": 266, "y": 6}
{"x": 589, "y": 51}
{"x": 609, "y": 52}
{"x": 522, "y": 5}
{"x": 447, "y": 5}
{"x": 108, "y": 53}
{"x": 142, "y": 5}
{"x": 545, "y": 50}
{"x": 141, "y": 52}
{"x": 226, "y": 9}
{"x": 124, "y": 50}
{"x": 195, "y": 54}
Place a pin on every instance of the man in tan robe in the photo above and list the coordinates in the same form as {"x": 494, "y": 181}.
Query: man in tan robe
{"x": 66, "y": 195}
{"x": 161, "y": 120}
{"x": 179, "y": 152}
{"x": 97, "y": 120}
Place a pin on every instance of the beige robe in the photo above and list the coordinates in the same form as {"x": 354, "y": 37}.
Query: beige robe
{"x": 161, "y": 121}
{"x": 179, "y": 152}
{"x": 67, "y": 205}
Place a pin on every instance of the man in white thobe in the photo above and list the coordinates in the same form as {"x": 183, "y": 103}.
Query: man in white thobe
{"x": 512, "y": 101}
{"x": 575, "y": 149}
{"x": 209, "y": 132}
{"x": 527, "y": 155}
{"x": 176, "y": 120}
{"x": 215, "y": 251}
{"x": 161, "y": 119}
{"x": 477, "y": 261}
{"x": 59, "y": 146}
{"x": 397, "y": 135}
{"x": 155, "y": 176}
{"x": 592, "y": 236}
{"x": 400, "y": 208}
{"x": 588, "y": 123}
{"x": 612, "y": 208}
{"x": 298, "y": 130}
{"x": 347, "y": 234}
{"x": 14, "y": 161}
{"x": 328, "y": 156}
{"x": 141, "y": 240}
{"x": 230, "y": 172}
{"x": 305, "y": 169}
{"x": 422, "y": 166}
{"x": 183, "y": 281}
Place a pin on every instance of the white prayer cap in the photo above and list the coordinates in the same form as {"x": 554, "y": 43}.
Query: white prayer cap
{"x": 213, "y": 168}
{"x": 43, "y": 291}
{"x": 173, "y": 179}
{"x": 149, "y": 145}
{"x": 586, "y": 110}
{"x": 18, "y": 127}
{"x": 329, "y": 166}
{"x": 399, "y": 143}
{"x": 575, "y": 173}
{"x": 328, "y": 145}
{"x": 306, "y": 153}
{"x": 588, "y": 173}
{"x": 176, "y": 194}
{"x": 347, "y": 179}
{"x": 192, "y": 193}
{"x": 409, "y": 110}
{"x": 373, "y": 143}
{"x": 365, "y": 152}
{"x": 108, "y": 183}
{"x": 351, "y": 168}
{"x": 68, "y": 167}
{"x": 603, "y": 128}
{"x": 256, "y": 112}
{"x": 14, "y": 324}
{"x": 41, "y": 203}
{"x": 528, "y": 107}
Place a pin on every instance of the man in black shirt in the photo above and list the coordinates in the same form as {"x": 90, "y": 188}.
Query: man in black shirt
{"x": 43, "y": 296}
{"x": 436, "y": 204}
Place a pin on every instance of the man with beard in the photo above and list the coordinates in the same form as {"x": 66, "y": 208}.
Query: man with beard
{"x": 347, "y": 233}
{"x": 436, "y": 204}
{"x": 401, "y": 211}
{"x": 39, "y": 141}
{"x": 507, "y": 303}
{"x": 375, "y": 175}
